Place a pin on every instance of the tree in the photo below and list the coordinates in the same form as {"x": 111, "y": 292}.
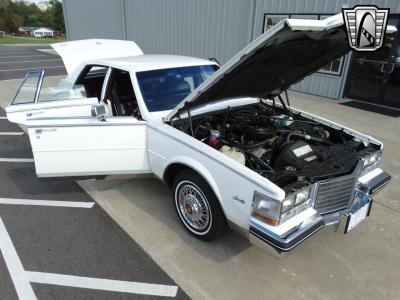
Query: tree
{"x": 47, "y": 18}
{"x": 2, "y": 24}
{"x": 14, "y": 22}
{"x": 58, "y": 15}
{"x": 14, "y": 14}
{"x": 4, "y": 3}
{"x": 33, "y": 21}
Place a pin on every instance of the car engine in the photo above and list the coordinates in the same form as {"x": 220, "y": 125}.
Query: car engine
{"x": 290, "y": 150}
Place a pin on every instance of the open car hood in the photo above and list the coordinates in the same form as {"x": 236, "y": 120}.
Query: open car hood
{"x": 75, "y": 52}
{"x": 282, "y": 56}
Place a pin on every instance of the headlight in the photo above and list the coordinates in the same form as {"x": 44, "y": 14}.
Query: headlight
{"x": 371, "y": 161}
{"x": 266, "y": 209}
{"x": 274, "y": 212}
{"x": 302, "y": 196}
{"x": 371, "y": 158}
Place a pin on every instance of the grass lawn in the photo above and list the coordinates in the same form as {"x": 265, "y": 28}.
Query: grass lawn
{"x": 9, "y": 40}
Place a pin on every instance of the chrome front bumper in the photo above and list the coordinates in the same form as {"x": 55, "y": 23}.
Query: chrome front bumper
{"x": 279, "y": 243}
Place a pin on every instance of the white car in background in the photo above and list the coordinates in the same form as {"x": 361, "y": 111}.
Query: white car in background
{"x": 223, "y": 138}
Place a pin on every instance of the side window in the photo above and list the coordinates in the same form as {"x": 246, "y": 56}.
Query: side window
{"x": 120, "y": 95}
{"x": 91, "y": 80}
{"x": 29, "y": 89}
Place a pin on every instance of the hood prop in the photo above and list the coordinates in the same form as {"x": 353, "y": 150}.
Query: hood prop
{"x": 288, "y": 102}
{"x": 286, "y": 105}
{"x": 178, "y": 115}
{"x": 190, "y": 117}
{"x": 282, "y": 102}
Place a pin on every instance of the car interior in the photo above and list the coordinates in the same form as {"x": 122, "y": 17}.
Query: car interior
{"x": 120, "y": 95}
{"x": 92, "y": 79}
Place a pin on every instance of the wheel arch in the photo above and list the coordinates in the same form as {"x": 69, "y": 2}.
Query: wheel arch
{"x": 179, "y": 164}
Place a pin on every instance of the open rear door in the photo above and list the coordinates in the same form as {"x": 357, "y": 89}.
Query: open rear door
{"x": 58, "y": 101}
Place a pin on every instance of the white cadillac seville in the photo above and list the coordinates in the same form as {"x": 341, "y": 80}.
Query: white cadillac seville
{"x": 224, "y": 139}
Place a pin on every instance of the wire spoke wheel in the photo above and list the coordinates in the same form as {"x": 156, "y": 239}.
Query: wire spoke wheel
{"x": 193, "y": 206}
{"x": 197, "y": 207}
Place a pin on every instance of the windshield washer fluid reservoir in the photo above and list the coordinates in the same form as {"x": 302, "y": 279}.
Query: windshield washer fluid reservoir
{"x": 234, "y": 154}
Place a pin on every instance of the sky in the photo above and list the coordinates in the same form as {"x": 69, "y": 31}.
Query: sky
{"x": 35, "y": 1}
{"x": 40, "y": 3}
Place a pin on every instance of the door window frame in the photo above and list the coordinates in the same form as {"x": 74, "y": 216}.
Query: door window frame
{"x": 86, "y": 70}
{"x": 38, "y": 87}
{"x": 106, "y": 88}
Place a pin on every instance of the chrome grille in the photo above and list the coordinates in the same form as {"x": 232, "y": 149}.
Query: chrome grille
{"x": 335, "y": 194}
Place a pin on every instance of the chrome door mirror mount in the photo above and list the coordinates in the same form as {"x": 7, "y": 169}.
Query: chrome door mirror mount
{"x": 99, "y": 111}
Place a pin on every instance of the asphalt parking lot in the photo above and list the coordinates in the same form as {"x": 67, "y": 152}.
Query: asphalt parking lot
{"x": 17, "y": 60}
{"x": 56, "y": 243}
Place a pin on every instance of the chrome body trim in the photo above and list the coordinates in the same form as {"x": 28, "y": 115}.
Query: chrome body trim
{"x": 328, "y": 200}
{"x": 105, "y": 85}
{"x": 376, "y": 183}
{"x": 39, "y": 86}
{"x": 112, "y": 121}
{"x": 289, "y": 242}
{"x": 336, "y": 221}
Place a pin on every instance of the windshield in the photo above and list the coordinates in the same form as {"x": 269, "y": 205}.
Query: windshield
{"x": 164, "y": 89}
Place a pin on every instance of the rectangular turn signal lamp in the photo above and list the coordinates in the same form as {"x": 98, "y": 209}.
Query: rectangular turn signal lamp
{"x": 265, "y": 218}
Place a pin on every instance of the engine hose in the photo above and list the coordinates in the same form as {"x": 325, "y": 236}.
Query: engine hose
{"x": 243, "y": 146}
{"x": 307, "y": 137}
{"x": 256, "y": 145}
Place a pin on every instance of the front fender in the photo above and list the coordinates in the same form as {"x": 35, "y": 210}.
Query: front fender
{"x": 199, "y": 168}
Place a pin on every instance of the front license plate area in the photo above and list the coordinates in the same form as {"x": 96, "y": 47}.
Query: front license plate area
{"x": 357, "y": 217}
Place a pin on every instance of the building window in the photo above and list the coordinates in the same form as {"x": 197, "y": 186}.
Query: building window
{"x": 271, "y": 20}
{"x": 332, "y": 68}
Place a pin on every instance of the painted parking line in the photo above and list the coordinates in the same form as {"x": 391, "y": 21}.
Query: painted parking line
{"x": 53, "y": 203}
{"x": 3, "y": 118}
{"x": 19, "y": 160}
{"x": 22, "y": 279}
{"x": 17, "y": 273}
{"x": 12, "y": 133}
{"x": 23, "y": 56}
{"x": 13, "y": 52}
{"x": 25, "y": 69}
{"x": 29, "y": 61}
{"x": 103, "y": 284}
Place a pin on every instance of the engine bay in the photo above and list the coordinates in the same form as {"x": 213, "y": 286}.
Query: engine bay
{"x": 290, "y": 150}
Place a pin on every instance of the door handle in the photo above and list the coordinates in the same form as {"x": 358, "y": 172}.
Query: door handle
{"x": 30, "y": 114}
{"x": 39, "y": 131}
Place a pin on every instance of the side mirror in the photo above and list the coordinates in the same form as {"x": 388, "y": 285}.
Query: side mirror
{"x": 98, "y": 110}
